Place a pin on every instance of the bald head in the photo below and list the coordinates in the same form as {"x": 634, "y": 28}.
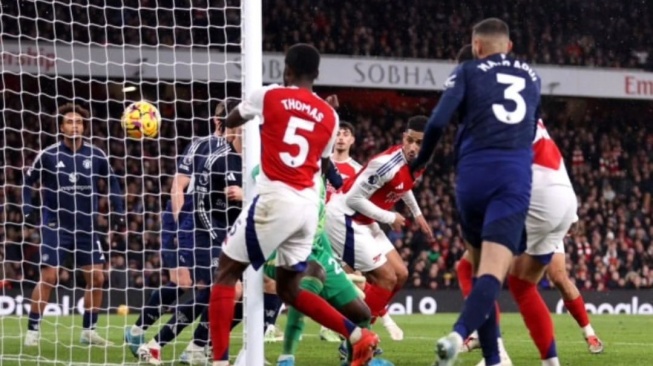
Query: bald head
{"x": 489, "y": 37}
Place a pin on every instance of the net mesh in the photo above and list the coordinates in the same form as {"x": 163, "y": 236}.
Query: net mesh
{"x": 183, "y": 56}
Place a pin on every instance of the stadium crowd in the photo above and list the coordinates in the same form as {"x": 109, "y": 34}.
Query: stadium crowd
{"x": 611, "y": 168}
{"x": 586, "y": 32}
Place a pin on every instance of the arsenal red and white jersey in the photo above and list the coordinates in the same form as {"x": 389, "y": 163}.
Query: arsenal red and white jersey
{"x": 297, "y": 129}
{"x": 347, "y": 169}
{"x": 548, "y": 164}
{"x": 383, "y": 181}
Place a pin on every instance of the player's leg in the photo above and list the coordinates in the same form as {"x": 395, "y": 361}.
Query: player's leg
{"x": 199, "y": 347}
{"x": 495, "y": 224}
{"x": 360, "y": 281}
{"x": 168, "y": 293}
{"x": 343, "y": 294}
{"x": 573, "y": 300}
{"x": 524, "y": 276}
{"x": 271, "y": 307}
{"x": 290, "y": 260}
{"x": 465, "y": 274}
{"x": 318, "y": 309}
{"x": 550, "y": 216}
{"x": 201, "y": 262}
{"x": 90, "y": 258}
{"x": 240, "y": 249}
{"x": 50, "y": 255}
{"x": 401, "y": 272}
{"x": 361, "y": 250}
{"x": 312, "y": 281}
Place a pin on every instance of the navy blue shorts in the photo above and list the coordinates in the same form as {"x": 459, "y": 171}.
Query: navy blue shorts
{"x": 202, "y": 257}
{"x": 168, "y": 234}
{"x": 58, "y": 243}
{"x": 493, "y": 201}
{"x": 169, "y": 231}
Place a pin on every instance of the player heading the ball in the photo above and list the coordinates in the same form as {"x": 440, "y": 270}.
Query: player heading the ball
{"x": 68, "y": 173}
{"x": 297, "y": 134}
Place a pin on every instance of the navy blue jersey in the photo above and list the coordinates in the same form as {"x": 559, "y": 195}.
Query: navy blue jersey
{"x": 498, "y": 100}
{"x": 194, "y": 155}
{"x": 222, "y": 169}
{"x": 69, "y": 186}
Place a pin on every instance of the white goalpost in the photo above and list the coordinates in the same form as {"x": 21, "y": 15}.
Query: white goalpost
{"x": 252, "y": 52}
{"x": 104, "y": 55}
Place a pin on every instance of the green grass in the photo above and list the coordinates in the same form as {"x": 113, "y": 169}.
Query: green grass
{"x": 627, "y": 340}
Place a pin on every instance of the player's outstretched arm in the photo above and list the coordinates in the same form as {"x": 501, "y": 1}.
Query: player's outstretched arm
{"x": 368, "y": 182}
{"x": 249, "y": 108}
{"x": 442, "y": 114}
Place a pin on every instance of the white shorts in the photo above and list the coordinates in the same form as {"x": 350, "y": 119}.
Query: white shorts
{"x": 273, "y": 221}
{"x": 362, "y": 247}
{"x": 551, "y": 213}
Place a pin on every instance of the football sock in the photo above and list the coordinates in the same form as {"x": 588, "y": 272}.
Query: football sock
{"x": 271, "y": 306}
{"x": 576, "y": 308}
{"x": 478, "y": 305}
{"x": 377, "y": 298}
{"x": 535, "y": 314}
{"x": 201, "y": 334}
{"x": 89, "y": 319}
{"x": 151, "y": 312}
{"x": 465, "y": 276}
{"x": 184, "y": 316}
{"x": 319, "y": 310}
{"x": 221, "y": 314}
{"x": 33, "y": 321}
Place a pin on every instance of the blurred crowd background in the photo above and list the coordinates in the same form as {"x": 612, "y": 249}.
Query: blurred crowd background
{"x": 608, "y": 146}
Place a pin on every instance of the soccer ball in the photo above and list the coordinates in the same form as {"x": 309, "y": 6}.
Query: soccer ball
{"x": 141, "y": 119}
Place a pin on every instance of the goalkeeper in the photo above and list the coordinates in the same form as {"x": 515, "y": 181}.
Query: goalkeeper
{"x": 324, "y": 276}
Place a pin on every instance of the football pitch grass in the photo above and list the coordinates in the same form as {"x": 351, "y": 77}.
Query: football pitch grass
{"x": 627, "y": 340}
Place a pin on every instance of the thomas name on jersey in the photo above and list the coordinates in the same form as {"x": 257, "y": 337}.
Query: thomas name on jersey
{"x": 296, "y": 105}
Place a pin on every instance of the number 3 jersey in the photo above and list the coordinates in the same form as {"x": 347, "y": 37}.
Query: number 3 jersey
{"x": 499, "y": 99}
{"x": 298, "y": 128}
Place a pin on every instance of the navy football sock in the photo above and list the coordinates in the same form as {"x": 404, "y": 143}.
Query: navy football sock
{"x": 34, "y": 320}
{"x": 89, "y": 319}
{"x": 185, "y": 315}
{"x": 201, "y": 335}
{"x": 487, "y": 335}
{"x": 271, "y": 306}
{"x": 151, "y": 312}
{"x": 478, "y": 306}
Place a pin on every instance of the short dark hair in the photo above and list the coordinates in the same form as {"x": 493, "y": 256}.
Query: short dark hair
{"x": 304, "y": 60}
{"x": 465, "y": 54}
{"x": 491, "y": 27}
{"x": 417, "y": 123}
{"x": 347, "y": 126}
{"x": 72, "y": 108}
